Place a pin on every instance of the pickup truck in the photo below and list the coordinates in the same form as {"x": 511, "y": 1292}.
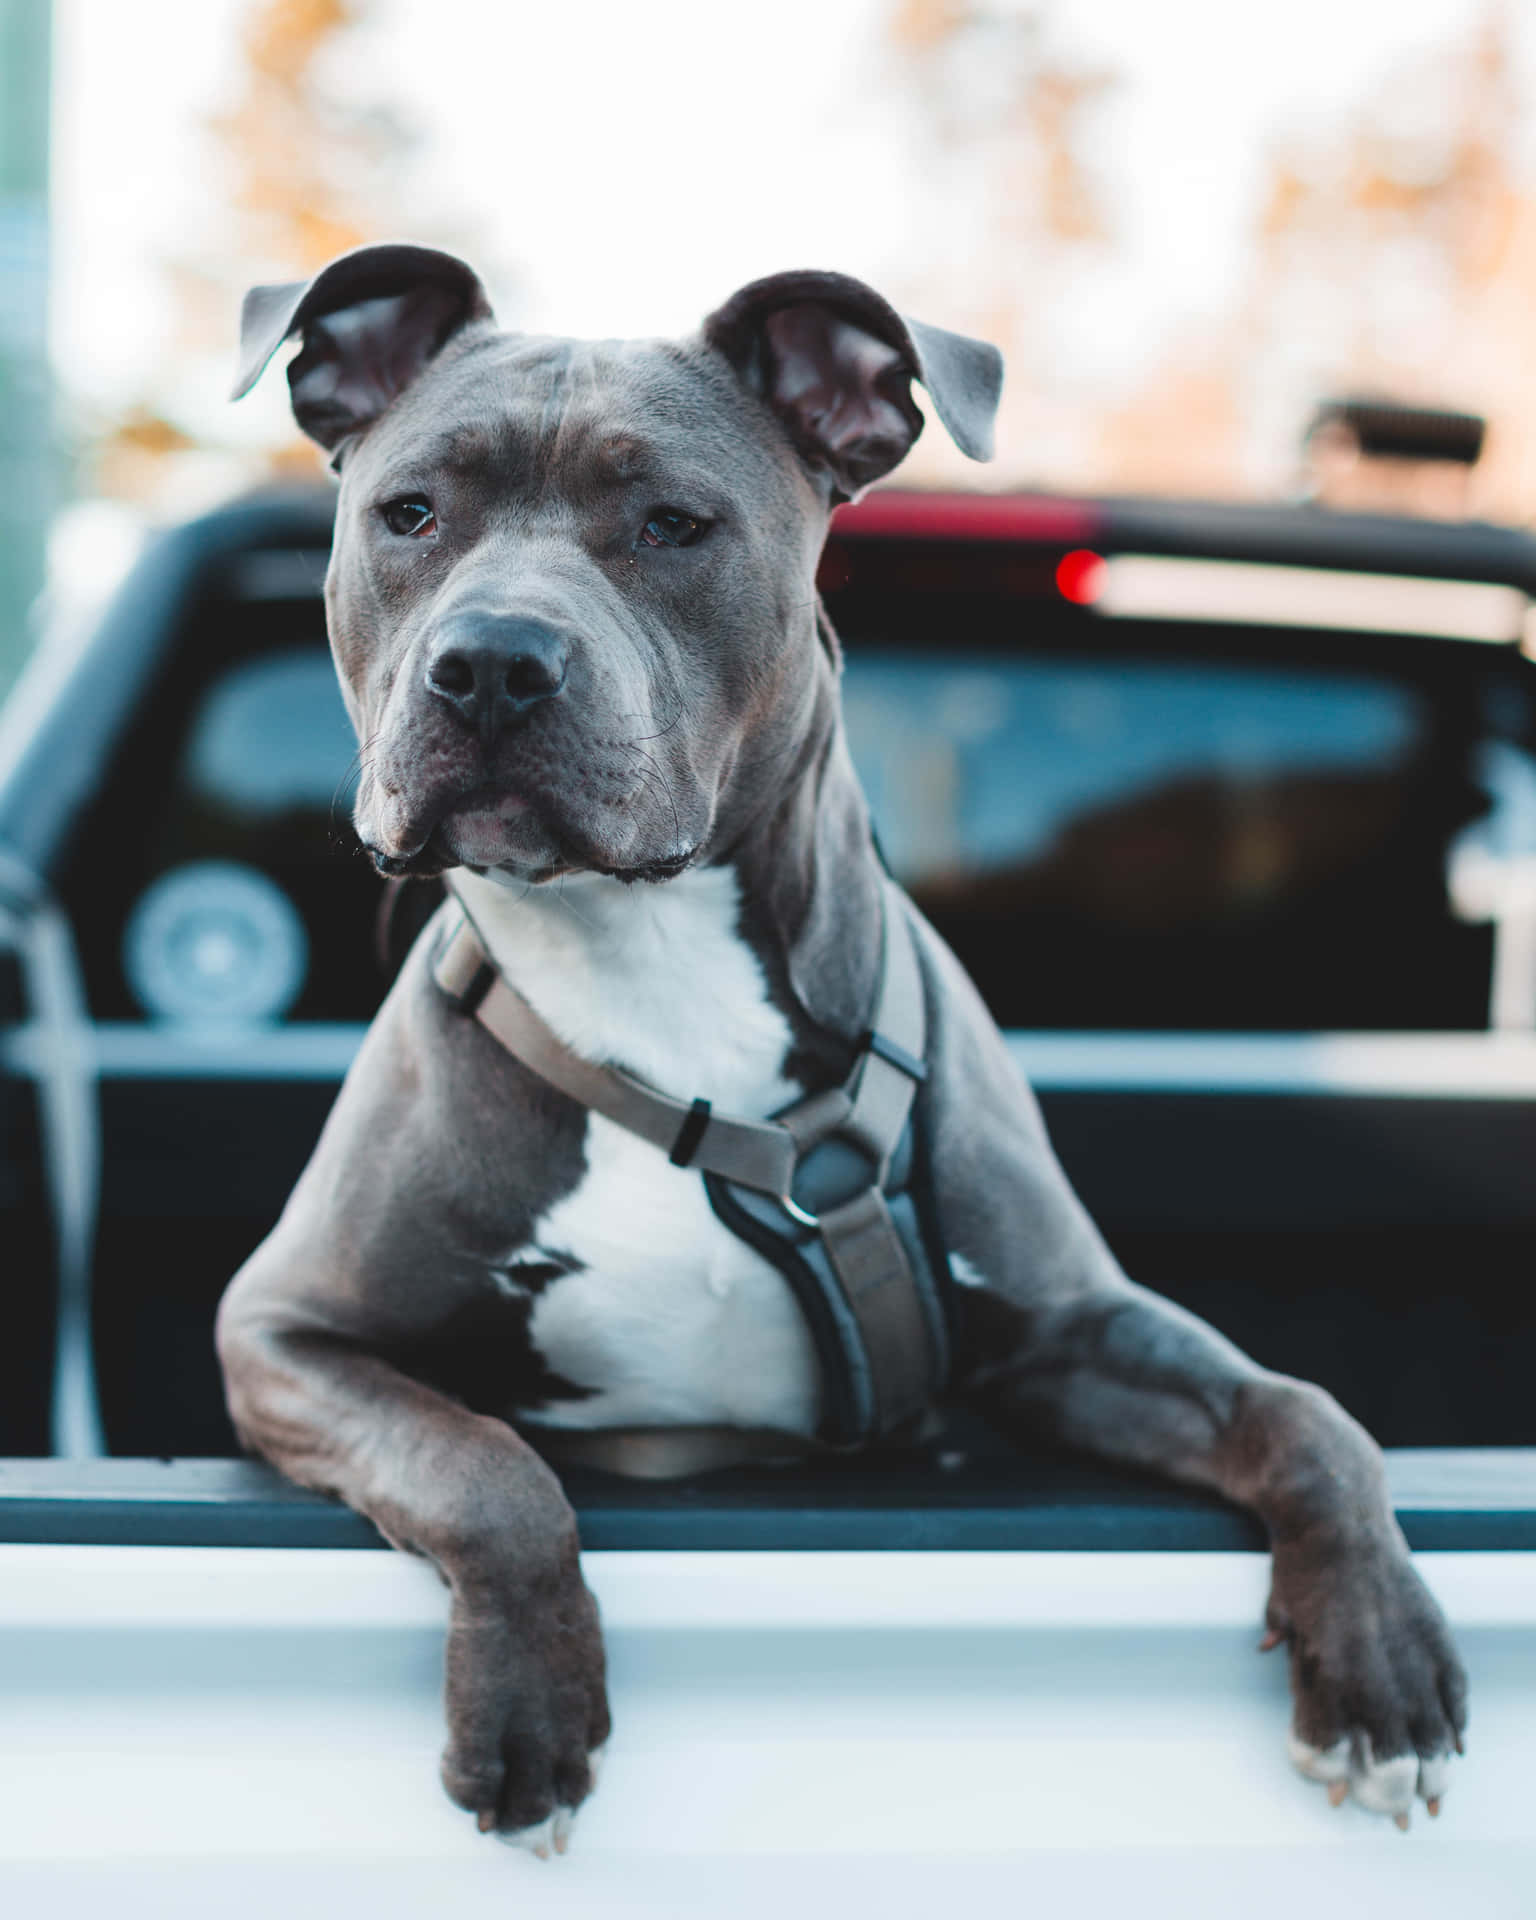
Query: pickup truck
{"x": 1231, "y": 812}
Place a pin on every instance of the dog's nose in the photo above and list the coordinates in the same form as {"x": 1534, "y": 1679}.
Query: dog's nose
{"x": 488, "y": 669}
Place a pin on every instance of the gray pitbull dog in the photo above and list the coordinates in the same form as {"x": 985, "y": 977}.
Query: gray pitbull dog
{"x": 573, "y": 609}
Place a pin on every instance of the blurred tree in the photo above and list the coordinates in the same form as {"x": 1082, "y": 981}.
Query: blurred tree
{"x": 306, "y": 164}
{"x": 989, "y": 85}
{"x": 1181, "y": 428}
{"x": 1398, "y": 255}
{"x": 311, "y": 164}
{"x": 1393, "y": 250}
{"x": 1394, "y": 253}
{"x": 1015, "y": 208}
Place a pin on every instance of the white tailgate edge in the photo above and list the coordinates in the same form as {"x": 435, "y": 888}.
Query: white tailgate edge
{"x": 255, "y": 1732}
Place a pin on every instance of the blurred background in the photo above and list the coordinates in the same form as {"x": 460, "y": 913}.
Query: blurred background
{"x": 1185, "y": 223}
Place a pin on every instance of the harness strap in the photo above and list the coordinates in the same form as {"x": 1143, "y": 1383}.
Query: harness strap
{"x": 869, "y": 1115}
{"x": 865, "y": 1249}
{"x": 756, "y": 1153}
{"x": 869, "y": 1258}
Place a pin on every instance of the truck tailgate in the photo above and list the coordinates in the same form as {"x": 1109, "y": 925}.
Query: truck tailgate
{"x": 254, "y": 1729}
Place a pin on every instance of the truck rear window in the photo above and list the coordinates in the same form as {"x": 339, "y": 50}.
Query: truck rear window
{"x": 1165, "y": 838}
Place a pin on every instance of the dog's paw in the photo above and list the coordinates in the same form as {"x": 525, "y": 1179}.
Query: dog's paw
{"x": 1379, "y": 1693}
{"x": 527, "y": 1705}
{"x": 552, "y": 1835}
{"x": 1350, "y": 1770}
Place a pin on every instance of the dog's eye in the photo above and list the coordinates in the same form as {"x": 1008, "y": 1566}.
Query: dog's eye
{"x": 411, "y": 515}
{"x": 667, "y": 527}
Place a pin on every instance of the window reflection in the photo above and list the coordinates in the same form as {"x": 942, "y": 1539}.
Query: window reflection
{"x": 972, "y": 766}
{"x": 271, "y": 737}
{"x": 1167, "y": 842}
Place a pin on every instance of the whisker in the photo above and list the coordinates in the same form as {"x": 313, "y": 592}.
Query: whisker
{"x": 570, "y": 905}
{"x": 651, "y": 763}
{"x": 356, "y": 767}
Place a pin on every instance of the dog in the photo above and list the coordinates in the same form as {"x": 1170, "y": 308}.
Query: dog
{"x": 572, "y": 606}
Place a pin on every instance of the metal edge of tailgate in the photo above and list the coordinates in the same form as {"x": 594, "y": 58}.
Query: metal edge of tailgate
{"x": 1447, "y": 1500}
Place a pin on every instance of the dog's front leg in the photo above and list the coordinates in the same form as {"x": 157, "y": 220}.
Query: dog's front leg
{"x": 526, "y": 1704}
{"x": 1380, "y": 1696}
{"x": 1052, "y": 1339}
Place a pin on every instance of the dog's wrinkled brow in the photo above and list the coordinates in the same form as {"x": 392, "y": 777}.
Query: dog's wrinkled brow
{"x": 469, "y": 453}
{"x": 524, "y": 421}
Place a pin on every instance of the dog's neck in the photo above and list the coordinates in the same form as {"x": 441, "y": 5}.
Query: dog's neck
{"x": 743, "y": 981}
{"x": 811, "y": 893}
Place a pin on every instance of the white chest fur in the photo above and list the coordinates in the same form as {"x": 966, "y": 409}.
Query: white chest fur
{"x": 670, "y": 1319}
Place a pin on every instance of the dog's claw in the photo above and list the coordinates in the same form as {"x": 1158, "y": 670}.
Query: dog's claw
{"x": 1271, "y": 1640}
{"x": 1338, "y": 1793}
{"x": 485, "y": 1819}
{"x": 1434, "y": 1807}
{"x": 1402, "y": 1821}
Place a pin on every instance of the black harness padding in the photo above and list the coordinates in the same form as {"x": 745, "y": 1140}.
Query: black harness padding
{"x": 861, "y": 1401}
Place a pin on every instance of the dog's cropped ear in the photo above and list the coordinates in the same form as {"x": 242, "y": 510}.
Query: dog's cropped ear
{"x": 370, "y": 322}
{"x": 836, "y": 362}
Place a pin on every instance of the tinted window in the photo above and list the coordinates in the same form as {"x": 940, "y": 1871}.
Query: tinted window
{"x": 271, "y": 737}
{"x": 977, "y": 765}
{"x": 1178, "y": 841}
{"x": 1168, "y": 835}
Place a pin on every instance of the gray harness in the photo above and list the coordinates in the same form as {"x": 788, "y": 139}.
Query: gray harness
{"x": 832, "y": 1189}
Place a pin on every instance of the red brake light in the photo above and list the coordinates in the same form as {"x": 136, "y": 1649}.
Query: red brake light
{"x": 1080, "y": 576}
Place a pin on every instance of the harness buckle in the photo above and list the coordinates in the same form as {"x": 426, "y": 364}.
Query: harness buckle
{"x": 796, "y": 1212}
{"x": 841, "y": 1136}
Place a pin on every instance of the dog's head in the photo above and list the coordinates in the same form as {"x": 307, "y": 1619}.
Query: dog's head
{"x": 572, "y": 594}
